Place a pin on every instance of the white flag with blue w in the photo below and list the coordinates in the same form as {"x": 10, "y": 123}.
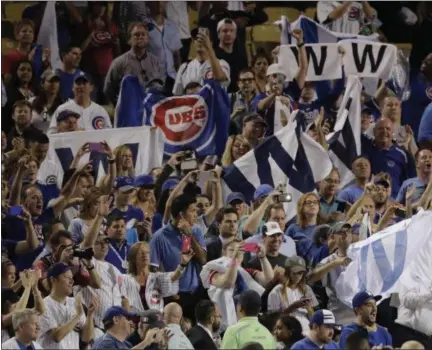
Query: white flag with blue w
{"x": 379, "y": 262}
{"x": 345, "y": 141}
{"x": 289, "y": 156}
{"x": 47, "y": 36}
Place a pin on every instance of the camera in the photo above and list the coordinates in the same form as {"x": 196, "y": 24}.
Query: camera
{"x": 283, "y": 196}
{"x": 189, "y": 161}
{"x": 86, "y": 254}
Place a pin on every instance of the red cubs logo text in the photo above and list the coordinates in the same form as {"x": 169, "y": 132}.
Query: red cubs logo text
{"x": 182, "y": 119}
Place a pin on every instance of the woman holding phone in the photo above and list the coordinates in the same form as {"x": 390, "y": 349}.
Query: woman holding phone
{"x": 144, "y": 289}
{"x": 294, "y": 296}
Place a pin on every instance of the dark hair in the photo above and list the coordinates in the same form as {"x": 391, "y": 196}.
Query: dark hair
{"x": 21, "y": 23}
{"x": 269, "y": 319}
{"x": 21, "y": 103}
{"x": 354, "y": 339}
{"x": 294, "y": 326}
{"x": 48, "y": 228}
{"x": 15, "y": 82}
{"x": 56, "y": 237}
{"x": 133, "y": 25}
{"x": 261, "y": 53}
{"x": 228, "y": 210}
{"x": 181, "y": 204}
{"x": 41, "y": 100}
{"x": 204, "y": 310}
{"x": 113, "y": 218}
{"x": 4, "y": 264}
{"x": 192, "y": 85}
{"x": 245, "y": 70}
{"x": 274, "y": 206}
{"x": 202, "y": 195}
{"x": 253, "y": 346}
{"x": 26, "y": 188}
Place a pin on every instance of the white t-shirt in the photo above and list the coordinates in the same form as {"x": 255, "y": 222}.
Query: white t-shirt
{"x": 178, "y": 339}
{"x": 351, "y": 21}
{"x": 12, "y": 344}
{"x": 50, "y": 173}
{"x": 177, "y": 11}
{"x": 57, "y": 315}
{"x": 195, "y": 71}
{"x": 94, "y": 117}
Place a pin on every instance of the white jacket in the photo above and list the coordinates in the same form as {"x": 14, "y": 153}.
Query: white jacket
{"x": 13, "y": 344}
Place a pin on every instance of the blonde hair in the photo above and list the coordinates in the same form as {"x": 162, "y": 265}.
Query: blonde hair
{"x": 227, "y": 157}
{"x": 301, "y": 286}
{"x": 118, "y": 153}
{"x": 301, "y": 219}
{"x": 133, "y": 252}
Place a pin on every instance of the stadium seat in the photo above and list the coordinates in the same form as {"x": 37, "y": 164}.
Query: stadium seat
{"x": 310, "y": 12}
{"x": 7, "y": 30}
{"x": 265, "y": 33}
{"x": 275, "y": 13}
{"x": 193, "y": 18}
{"x": 14, "y": 10}
{"x": 7, "y": 45}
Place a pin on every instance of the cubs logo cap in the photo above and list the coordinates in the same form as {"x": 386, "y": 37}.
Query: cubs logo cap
{"x": 124, "y": 183}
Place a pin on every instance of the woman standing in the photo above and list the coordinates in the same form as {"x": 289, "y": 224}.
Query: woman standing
{"x": 287, "y": 331}
{"x": 144, "y": 289}
{"x": 260, "y": 63}
{"x": 124, "y": 161}
{"x": 47, "y": 101}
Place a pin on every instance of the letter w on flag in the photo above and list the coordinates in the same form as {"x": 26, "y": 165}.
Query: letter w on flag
{"x": 290, "y": 157}
{"x": 345, "y": 141}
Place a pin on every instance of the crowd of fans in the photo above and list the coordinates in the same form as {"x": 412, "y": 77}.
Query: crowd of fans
{"x": 156, "y": 261}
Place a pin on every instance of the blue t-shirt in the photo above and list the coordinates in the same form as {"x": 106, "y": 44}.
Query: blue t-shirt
{"x": 420, "y": 188}
{"x": 307, "y": 344}
{"x": 350, "y": 193}
{"x": 165, "y": 252}
{"x": 17, "y": 231}
{"x": 425, "y": 129}
{"x": 66, "y": 83}
{"x": 378, "y": 337}
{"x": 296, "y": 232}
{"x": 108, "y": 342}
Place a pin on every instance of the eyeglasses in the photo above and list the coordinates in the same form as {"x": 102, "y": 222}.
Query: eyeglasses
{"x": 311, "y": 202}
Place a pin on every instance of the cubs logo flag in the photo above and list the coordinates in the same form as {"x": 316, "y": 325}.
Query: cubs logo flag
{"x": 289, "y": 157}
{"x": 378, "y": 264}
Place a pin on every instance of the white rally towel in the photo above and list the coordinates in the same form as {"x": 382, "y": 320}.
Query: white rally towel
{"x": 146, "y": 144}
{"x": 379, "y": 262}
{"x": 47, "y": 36}
{"x": 290, "y": 157}
{"x": 345, "y": 141}
{"x": 224, "y": 297}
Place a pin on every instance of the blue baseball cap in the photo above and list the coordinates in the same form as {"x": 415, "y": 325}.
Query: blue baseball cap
{"x": 57, "y": 269}
{"x": 366, "y": 109}
{"x": 83, "y": 76}
{"x": 263, "y": 190}
{"x": 169, "y": 184}
{"x": 362, "y": 298}
{"x": 124, "y": 183}
{"x": 235, "y": 196}
{"x": 114, "y": 311}
{"x": 144, "y": 181}
{"x": 324, "y": 318}
{"x": 63, "y": 115}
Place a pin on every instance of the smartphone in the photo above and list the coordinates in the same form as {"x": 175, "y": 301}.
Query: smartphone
{"x": 341, "y": 207}
{"x": 211, "y": 160}
{"x": 400, "y": 213}
{"x": 250, "y": 247}
{"x": 284, "y": 198}
{"x": 95, "y": 147}
{"x": 189, "y": 164}
{"x": 203, "y": 31}
{"x": 186, "y": 244}
{"x": 15, "y": 210}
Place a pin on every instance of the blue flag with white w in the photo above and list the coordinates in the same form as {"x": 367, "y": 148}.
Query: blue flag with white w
{"x": 290, "y": 157}
{"x": 192, "y": 122}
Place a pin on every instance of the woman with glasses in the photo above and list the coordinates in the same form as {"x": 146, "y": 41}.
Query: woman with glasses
{"x": 236, "y": 147}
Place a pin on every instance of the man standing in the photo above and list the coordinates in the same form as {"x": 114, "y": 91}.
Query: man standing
{"x": 69, "y": 71}
{"x": 361, "y": 169}
{"x": 173, "y": 315}
{"x": 208, "y": 319}
{"x": 27, "y": 330}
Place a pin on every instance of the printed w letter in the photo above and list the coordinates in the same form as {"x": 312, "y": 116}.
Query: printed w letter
{"x": 367, "y": 52}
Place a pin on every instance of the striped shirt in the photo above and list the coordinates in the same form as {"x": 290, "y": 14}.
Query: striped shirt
{"x": 109, "y": 292}
{"x": 57, "y": 315}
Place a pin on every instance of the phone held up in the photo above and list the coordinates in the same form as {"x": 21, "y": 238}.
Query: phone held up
{"x": 186, "y": 244}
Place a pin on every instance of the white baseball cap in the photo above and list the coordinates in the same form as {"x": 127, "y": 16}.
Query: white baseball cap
{"x": 271, "y": 228}
{"x": 275, "y": 68}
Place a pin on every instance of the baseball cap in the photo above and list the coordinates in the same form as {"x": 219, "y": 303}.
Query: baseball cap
{"x": 250, "y": 299}
{"x": 114, "y": 311}
{"x": 152, "y": 318}
{"x": 271, "y": 228}
{"x": 124, "y": 183}
{"x": 320, "y": 231}
{"x": 295, "y": 263}
{"x": 275, "y": 68}
{"x": 144, "y": 181}
{"x": 235, "y": 196}
{"x": 323, "y": 318}
{"x": 366, "y": 109}
{"x": 362, "y": 298}
{"x": 49, "y": 74}
{"x": 63, "y": 115}
{"x": 254, "y": 117}
{"x": 262, "y": 190}
{"x": 57, "y": 269}
{"x": 82, "y": 76}
{"x": 338, "y": 226}
{"x": 382, "y": 181}
{"x": 169, "y": 184}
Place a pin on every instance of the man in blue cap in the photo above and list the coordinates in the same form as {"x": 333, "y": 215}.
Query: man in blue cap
{"x": 237, "y": 201}
{"x": 124, "y": 187}
{"x": 365, "y": 309}
{"x": 67, "y": 121}
{"x": 322, "y": 326}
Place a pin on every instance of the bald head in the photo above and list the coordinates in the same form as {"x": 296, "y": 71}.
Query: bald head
{"x": 412, "y": 345}
{"x": 173, "y": 313}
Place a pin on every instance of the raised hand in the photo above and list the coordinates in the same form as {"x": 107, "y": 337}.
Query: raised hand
{"x": 186, "y": 257}
{"x": 85, "y": 148}
{"x": 107, "y": 149}
{"x": 297, "y": 34}
{"x": 79, "y": 305}
{"x": 410, "y": 192}
{"x": 104, "y": 206}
